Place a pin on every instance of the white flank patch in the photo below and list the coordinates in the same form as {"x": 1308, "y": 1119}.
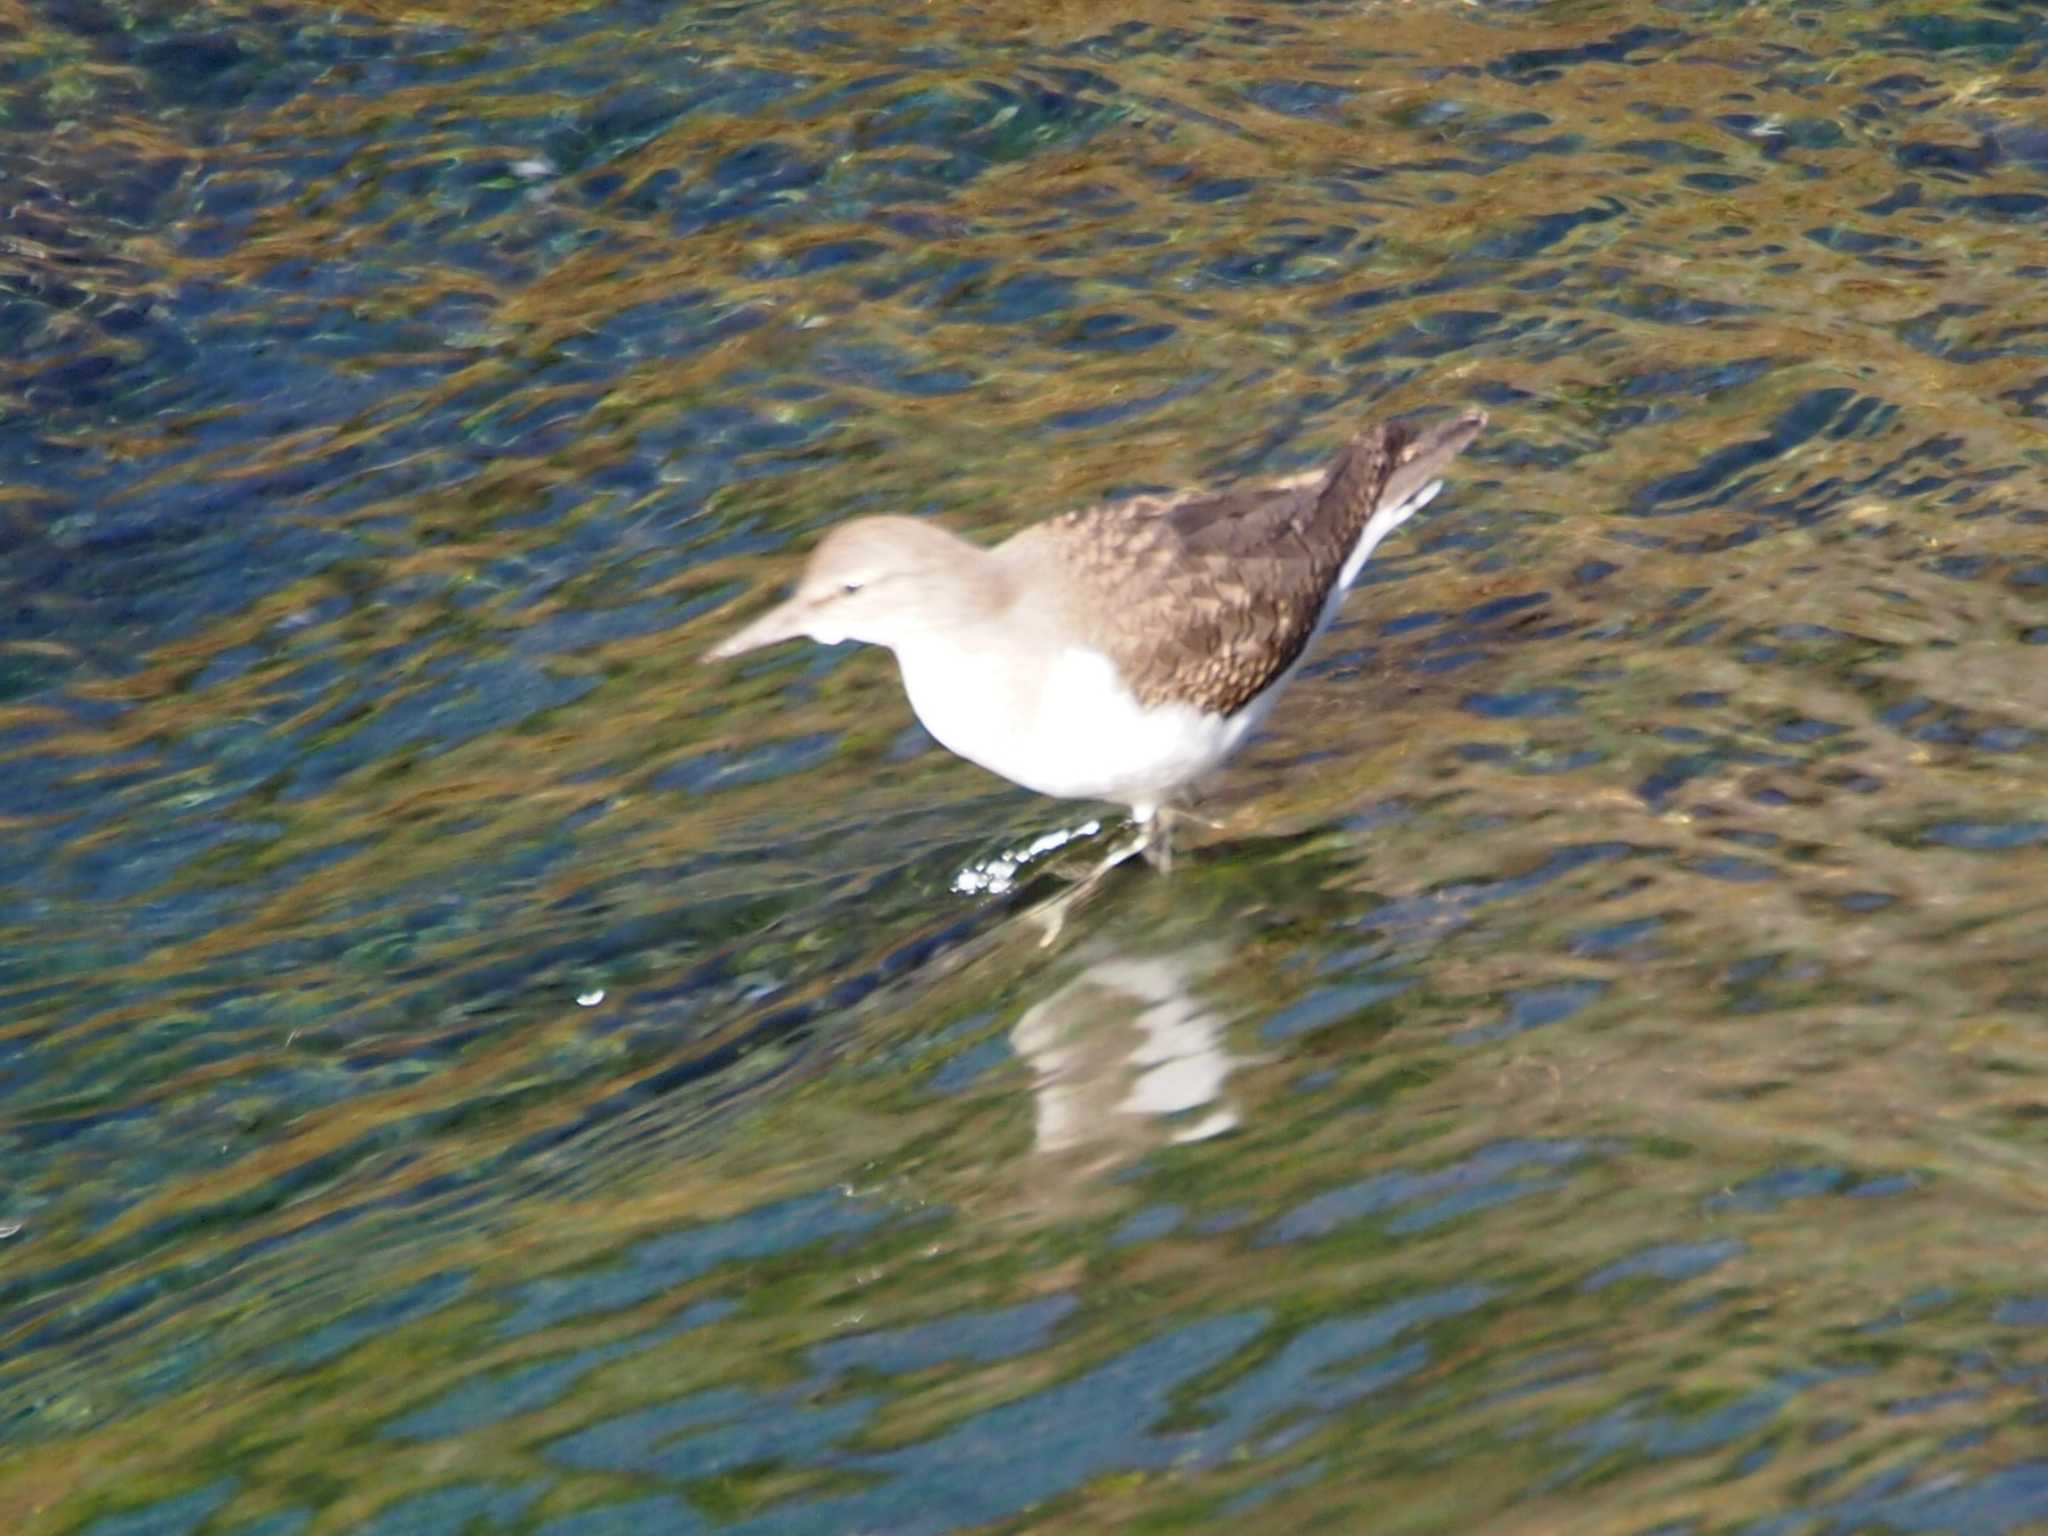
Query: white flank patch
{"x": 1379, "y": 525}
{"x": 1076, "y": 732}
{"x": 1105, "y": 745}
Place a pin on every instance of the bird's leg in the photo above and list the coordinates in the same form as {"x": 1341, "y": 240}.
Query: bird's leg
{"x": 1148, "y": 831}
{"x": 1154, "y": 841}
{"x": 1051, "y": 916}
{"x": 1157, "y": 843}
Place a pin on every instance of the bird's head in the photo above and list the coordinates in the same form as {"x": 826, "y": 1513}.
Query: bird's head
{"x": 890, "y": 581}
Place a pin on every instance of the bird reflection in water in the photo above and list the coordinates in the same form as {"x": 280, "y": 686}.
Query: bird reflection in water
{"x": 1128, "y": 1055}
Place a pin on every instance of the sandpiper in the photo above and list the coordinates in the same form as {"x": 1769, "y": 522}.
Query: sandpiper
{"x": 1122, "y": 651}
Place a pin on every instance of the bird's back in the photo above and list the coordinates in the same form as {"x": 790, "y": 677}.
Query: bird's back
{"x": 1208, "y": 597}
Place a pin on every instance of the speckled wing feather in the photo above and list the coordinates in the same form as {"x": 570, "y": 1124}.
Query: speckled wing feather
{"x": 1207, "y": 597}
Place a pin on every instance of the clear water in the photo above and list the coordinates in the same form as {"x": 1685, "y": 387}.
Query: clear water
{"x": 467, "y": 1067}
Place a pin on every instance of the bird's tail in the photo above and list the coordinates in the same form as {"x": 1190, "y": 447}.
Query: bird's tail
{"x": 1384, "y": 476}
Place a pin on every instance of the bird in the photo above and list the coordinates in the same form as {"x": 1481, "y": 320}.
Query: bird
{"x": 1117, "y": 652}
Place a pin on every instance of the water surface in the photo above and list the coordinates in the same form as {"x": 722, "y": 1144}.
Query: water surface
{"x": 466, "y": 1066}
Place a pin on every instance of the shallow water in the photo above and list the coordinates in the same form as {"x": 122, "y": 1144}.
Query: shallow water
{"x": 466, "y": 1067}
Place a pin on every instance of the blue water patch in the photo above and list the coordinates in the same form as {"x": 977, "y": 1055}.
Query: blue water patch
{"x": 516, "y": 1390}
{"x": 1128, "y": 406}
{"x": 1529, "y": 65}
{"x": 1666, "y": 1261}
{"x": 1148, "y": 1225}
{"x": 1533, "y": 1007}
{"x": 2023, "y": 1311}
{"x": 660, "y": 1264}
{"x": 1270, "y": 1488}
{"x": 730, "y": 768}
{"x": 1330, "y": 1005}
{"x": 1768, "y": 1191}
{"x": 1987, "y": 836}
{"x": 1804, "y": 730}
{"x": 1719, "y": 476}
{"x": 2012, "y": 1498}
{"x": 438, "y": 711}
{"x": 1728, "y": 867}
{"x": 1468, "y": 1201}
{"x": 460, "y": 1510}
{"x": 657, "y": 1516}
{"x": 1306, "y": 1375}
{"x": 1299, "y": 98}
{"x": 179, "y": 1515}
{"x": 1612, "y": 938}
{"x": 421, "y": 1299}
{"x": 2006, "y": 207}
{"x": 1483, "y": 1176}
{"x": 977, "y": 1337}
{"x": 1431, "y": 908}
{"x": 962, "y": 1069}
{"x": 1006, "y": 1460}
{"x": 1644, "y": 1429}
{"x": 285, "y": 1522}
{"x": 710, "y": 1433}
{"x": 1528, "y": 703}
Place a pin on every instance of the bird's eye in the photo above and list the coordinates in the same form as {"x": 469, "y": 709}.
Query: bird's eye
{"x": 851, "y": 586}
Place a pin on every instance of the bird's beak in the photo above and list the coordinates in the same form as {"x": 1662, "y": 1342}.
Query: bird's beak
{"x": 782, "y": 622}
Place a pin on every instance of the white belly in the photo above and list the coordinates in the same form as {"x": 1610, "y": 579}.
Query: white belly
{"x": 1073, "y": 731}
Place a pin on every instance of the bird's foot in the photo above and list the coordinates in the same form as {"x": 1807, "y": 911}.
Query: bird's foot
{"x": 1144, "y": 843}
{"x": 1051, "y": 915}
{"x": 1156, "y": 839}
{"x": 1157, "y": 845}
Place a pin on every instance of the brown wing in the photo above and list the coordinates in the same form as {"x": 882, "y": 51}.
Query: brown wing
{"x": 1206, "y": 598}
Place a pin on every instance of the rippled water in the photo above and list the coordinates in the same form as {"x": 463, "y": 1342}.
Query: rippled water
{"x": 466, "y": 1066}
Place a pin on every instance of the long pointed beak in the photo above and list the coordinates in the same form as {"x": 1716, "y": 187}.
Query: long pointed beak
{"x": 782, "y": 622}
